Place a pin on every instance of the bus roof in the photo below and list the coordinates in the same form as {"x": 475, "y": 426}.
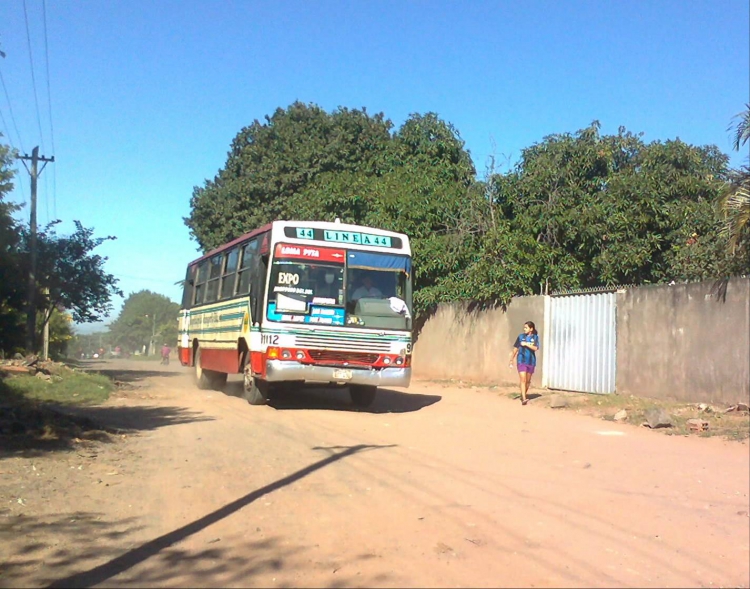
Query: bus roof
{"x": 232, "y": 243}
{"x": 283, "y": 223}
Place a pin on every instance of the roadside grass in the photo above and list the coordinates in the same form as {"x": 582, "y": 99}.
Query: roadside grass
{"x": 32, "y": 414}
{"x": 73, "y": 387}
{"x": 732, "y": 426}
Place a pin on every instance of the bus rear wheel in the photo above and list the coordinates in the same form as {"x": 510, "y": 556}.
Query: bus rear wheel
{"x": 255, "y": 391}
{"x": 362, "y": 394}
{"x": 208, "y": 379}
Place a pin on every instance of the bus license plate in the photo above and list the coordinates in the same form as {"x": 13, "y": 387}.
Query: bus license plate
{"x": 342, "y": 374}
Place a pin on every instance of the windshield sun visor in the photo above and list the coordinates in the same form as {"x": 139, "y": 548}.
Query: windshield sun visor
{"x": 379, "y": 261}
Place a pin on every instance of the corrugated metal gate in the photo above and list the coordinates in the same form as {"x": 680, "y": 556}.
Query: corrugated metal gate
{"x": 580, "y": 343}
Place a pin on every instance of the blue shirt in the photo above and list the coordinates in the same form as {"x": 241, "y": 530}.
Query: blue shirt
{"x": 526, "y": 355}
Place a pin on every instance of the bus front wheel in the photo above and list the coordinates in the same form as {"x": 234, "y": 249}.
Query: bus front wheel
{"x": 255, "y": 391}
{"x": 362, "y": 395}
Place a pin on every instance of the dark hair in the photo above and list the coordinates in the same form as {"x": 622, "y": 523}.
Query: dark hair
{"x": 532, "y": 326}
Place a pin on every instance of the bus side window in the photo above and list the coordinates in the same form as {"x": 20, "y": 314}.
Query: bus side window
{"x": 200, "y": 283}
{"x": 212, "y": 286}
{"x": 230, "y": 273}
{"x": 258, "y": 290}
{"x": 246, "y": 266}
{"x": 187, "y": 287}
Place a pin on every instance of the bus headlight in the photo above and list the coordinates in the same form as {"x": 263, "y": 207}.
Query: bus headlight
{"x": 399, "y": 361}
{"x": 386, "y": 360}
{"x": 286, "y": 355}
{"x": 300, "y": 355}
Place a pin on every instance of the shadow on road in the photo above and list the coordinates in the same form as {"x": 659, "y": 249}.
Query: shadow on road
{"x": 29, "y": 428}
{"x": 338, "y": 399}
{"x": 39, "y": 550}
{"x": 157, "y": 546}
{"x": 55, "y": 542}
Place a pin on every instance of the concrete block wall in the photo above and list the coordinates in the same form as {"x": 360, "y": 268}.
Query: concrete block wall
{"x": 473, "y": 345}
{"x": 686, "y": 342}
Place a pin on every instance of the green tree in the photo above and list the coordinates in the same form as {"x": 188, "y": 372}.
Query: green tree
{"x": 60, "y": 332}
{"x": 735, "y": 200}
{"x": 270, "y": 163}
{"x": 70, "y": 276}
{"x": 304, "y": 163}
{"x": 12, "y": 291}
{"x": 614, "y": 210}
{"x": 146, "y": 319}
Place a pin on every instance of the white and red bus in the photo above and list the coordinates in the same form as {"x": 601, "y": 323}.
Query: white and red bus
{"x": 301, "y": 302}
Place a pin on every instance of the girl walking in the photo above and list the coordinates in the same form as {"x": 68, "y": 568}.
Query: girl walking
{"x": 525, "y": 348}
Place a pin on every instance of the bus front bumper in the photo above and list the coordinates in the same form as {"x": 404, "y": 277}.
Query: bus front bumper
{"x": 285, "y": 370}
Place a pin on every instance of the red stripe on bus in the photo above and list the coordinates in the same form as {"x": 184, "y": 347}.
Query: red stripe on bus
{"x": 258, "y": 363}
{"x": 184, "y": 354}
{"x": 308, "y": 252}
{"x": 220, "y": 360}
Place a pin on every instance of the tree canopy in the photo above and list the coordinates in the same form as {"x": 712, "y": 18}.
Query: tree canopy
{"x": 735, "y": 201}
{"x": 70, "y": 277}
{"x": 145, "y": 318}
{"x": 577, "y": 210}
{"x": 11, "y": 288}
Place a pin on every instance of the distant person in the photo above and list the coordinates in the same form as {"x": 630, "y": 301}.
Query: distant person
{"x": 524, "y": 349}
{"x": 165, "y": 352}
{"x": 368, "y": 289}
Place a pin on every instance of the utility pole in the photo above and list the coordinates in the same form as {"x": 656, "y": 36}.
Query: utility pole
{"x": 35, "y": 158}
{"x": 45, "y": 333}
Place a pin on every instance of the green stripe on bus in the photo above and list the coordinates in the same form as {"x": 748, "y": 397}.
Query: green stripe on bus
{"x": 231, "y": 316}
{"x": 224, "y": 307}
{"x": 215, "y": 330}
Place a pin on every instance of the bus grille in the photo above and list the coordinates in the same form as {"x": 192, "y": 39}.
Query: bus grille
{"x": 369, "y": 346}
{"x": 333, "y": 357}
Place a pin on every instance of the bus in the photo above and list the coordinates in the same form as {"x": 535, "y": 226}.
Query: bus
{"x": 301, "y": 302}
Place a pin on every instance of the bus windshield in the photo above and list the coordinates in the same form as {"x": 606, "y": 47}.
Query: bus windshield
{"x": 340, "y": 287}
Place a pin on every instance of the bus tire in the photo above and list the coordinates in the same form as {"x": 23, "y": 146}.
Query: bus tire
{"x": 218, "y": 380}
{"x": 202, "y": 377}
{"x": 362, "y": 394}
{"x": 255, "y": 391}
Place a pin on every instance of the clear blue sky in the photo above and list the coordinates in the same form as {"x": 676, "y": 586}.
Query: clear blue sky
{"x": 146, "y": 96}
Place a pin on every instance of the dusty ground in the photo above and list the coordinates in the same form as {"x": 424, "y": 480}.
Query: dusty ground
{"x": 435, "y": 486}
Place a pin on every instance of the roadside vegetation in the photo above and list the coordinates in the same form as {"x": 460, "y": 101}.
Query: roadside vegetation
{"x": 35, "y": 411}
{"x": 577, "y": 210}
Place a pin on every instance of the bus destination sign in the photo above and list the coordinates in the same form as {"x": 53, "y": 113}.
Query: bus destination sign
{"x": 346, "y": 237}
{"x": 316, "y": 254}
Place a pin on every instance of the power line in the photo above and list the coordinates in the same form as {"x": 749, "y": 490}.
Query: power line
{"x": 49, "y": 103}
{"x": 33, "y": 77}
{"x": 13, "y": 147}
{"x": 7, "y": 133}
{"x": 12, "y": 116}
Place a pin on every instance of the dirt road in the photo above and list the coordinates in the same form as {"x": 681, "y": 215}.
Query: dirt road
{"x": 435, "y": 486}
